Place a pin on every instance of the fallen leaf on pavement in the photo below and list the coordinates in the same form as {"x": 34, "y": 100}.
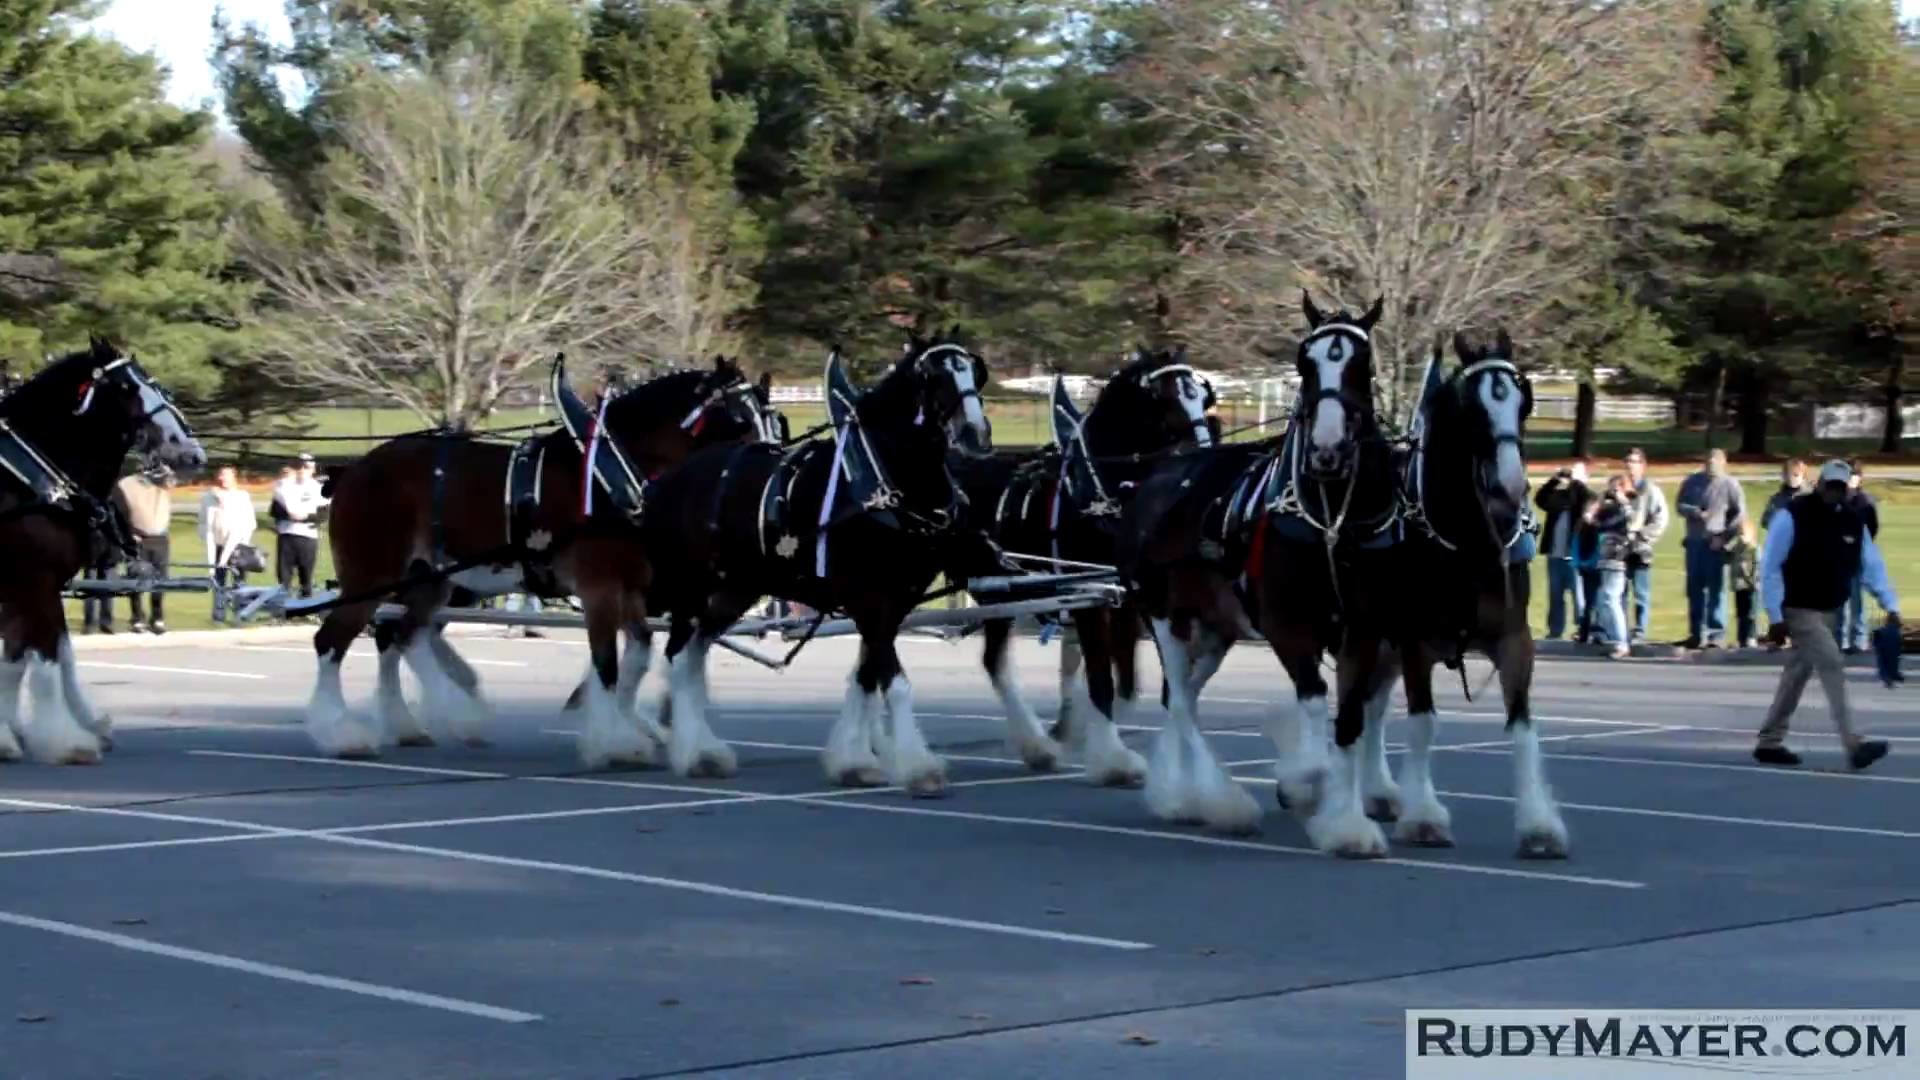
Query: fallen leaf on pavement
{"x": 1138, "y": 1039}
{"x": 916, "y": 980}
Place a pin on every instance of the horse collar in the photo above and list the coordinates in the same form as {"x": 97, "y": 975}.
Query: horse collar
{"x": 43, "y": 479}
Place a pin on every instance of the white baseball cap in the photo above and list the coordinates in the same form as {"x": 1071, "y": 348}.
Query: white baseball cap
{"x": 1835, "y": 472}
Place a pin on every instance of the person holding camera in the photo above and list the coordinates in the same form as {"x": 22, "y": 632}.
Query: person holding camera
{"x": 1815, "y": 548}
{"x": 1563, "y": 500}
{"x": 297, "y": 504}
{"x": 1611, "y": 518}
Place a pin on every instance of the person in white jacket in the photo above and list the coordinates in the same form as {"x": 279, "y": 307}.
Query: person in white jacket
{"x": 297, "y": 503}
{"x": 227, "y": 520}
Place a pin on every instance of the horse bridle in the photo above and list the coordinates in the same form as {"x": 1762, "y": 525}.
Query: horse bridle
{"x": 735, "y": 387}
{"x": 1523, "y": 521}
{"x": 960, "y": 396}
{"x": 1304, "y": 405}
{"x": 1196, "y": 424}
{"x": 126, "y": 371}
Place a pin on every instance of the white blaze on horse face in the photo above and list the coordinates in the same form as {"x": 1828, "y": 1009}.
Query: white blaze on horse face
{"x": 960, "y": 366}
{"x": 1500, "y": 396}
{"x": 1330, "y": 354}
{"x": 1193, "y": 401}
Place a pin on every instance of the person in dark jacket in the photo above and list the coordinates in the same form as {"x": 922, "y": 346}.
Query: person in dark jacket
{"x": 1563, "y": 499}
{"x": 1793, "y": 484}
{"x": 1815, "y": 549}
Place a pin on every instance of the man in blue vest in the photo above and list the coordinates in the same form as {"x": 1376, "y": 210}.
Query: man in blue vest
{"x": 1815, "y": 547}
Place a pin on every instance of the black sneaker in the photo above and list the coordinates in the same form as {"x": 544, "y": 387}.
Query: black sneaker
{"x": 1780, "y": 755}
{"x": 158, "y": 628}
{"x": 1867, "y": 753}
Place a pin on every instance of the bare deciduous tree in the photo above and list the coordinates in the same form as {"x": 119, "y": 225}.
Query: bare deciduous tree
{"x": 1455, "y": 156}
{"x": 470, "y": 228}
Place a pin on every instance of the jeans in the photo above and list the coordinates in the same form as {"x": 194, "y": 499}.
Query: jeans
{"x": 1642, "y": 576}
{"x": 1561, "y": 580}
{"x": 1853, "y": 617}
{"x": 1612, "y": 619}
{"x": 1706, "y": 592}
{"x": 97, "y": 610}
{"x": 1590, "y": 589}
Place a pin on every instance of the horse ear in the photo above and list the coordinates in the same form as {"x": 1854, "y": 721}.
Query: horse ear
{"x": 1462, "y": 349}
{"x": 1314, "y": 318}
{"x": 766, "y": 380}
{"x": 1373, "y": 313}
{"x": 1504, "y": 343}
{"x": 1180, "y": 353}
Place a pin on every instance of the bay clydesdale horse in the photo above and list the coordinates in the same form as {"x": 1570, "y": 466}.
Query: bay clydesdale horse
{"x": 526, "y": 518}
{"x": 64, "y": 435}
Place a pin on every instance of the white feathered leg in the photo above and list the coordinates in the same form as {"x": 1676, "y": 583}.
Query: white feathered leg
{"x": 1025, "y": 735}
{"x": 54, "y": 734}
{"x": 1109, "y": 762}
{"x": 334, "y": 729}
{"x": 848, "y": 758}
{"x": 1342, "y": 827}
{"x": 11, "y": 677}
{"x": 100, "y": 724}
{"x": 1382, "y": 795}
{"x": 390, "y": 705}
{"x": 1302, "y": 767}
{"x": 1543, "y": 835}
{"x": 444, "y": 703}
{"x": 612, "y": 736}
{"x": 692, "y": 748}
{"x": 634, "y": 665}
{"x": 1424, "y": 822}
{"x": 911, "y": 764}
{"x": 1070, "y": 661}
{"x": 1185, "y": 781}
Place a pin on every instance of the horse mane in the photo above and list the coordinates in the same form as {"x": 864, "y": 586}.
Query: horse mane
{"x": 660, "y": 400}
{"x": 35, "y": 398}
{"x": 1120, "y": 387}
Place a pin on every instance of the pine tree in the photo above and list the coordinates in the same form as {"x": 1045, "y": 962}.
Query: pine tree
{"x": 110, "y": 220}
{"x": 1756, "y": 279}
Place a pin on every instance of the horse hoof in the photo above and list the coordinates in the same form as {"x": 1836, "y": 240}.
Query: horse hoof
{"x": 1427, "y": 835}
{"x": 80, "y": 755}
{"x": 1542, "y": 845}
{"x": 358, "y": 753}
{"x": 1382, "y": 808}
{"x": 713, "y": 767}
{"x": 1041, "y": 762}
{"x": 927, "y": 786}
{"x": 414, "y": 741}
{"x": 477, "y": 742}
{"x": 862, "y": 776}
{"x": 1121, "y": 778}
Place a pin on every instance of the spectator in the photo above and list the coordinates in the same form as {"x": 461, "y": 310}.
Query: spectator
{"x": 1586, "y": 564}
{"x": 1563, "y": 499}
{"x": 1793, "y": 484}
{"x": 1610, "y": 518}
{"x": 1712, "y": 503}
{"x": 299, "y": 502}
{"x": 146, "y": 498}
{"x": 1813, "y": 552}
{"x": 1644, "y": 529}
{"x": 227, "y": 520}
{"x": 96, "y": 610}
{"x": 1853, "y": 619}
{"x": 1743, "y": 562}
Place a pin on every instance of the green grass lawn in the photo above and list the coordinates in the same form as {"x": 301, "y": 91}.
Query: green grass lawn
{"x": 194, "y": 611}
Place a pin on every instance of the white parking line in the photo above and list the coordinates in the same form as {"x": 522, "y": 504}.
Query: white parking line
{"x": 172, "y": 670}
{"x": 1770, "y": 770}
{"x": 833, "y": 797}
{"x": 1620, "y": 733}
{"x": 706, "y": 888}
{"x": 1677, "y": 815}
{"x": 271, "y": 971}
{"x": 1242, "y": 845}
{"x": 370, "y": 654}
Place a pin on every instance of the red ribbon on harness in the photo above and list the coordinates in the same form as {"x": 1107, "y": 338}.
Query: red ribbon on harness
{"x": 1256, "y": 552}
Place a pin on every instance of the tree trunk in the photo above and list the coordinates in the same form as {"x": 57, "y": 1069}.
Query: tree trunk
{"x": 1890, "y": 396}
{"x": 1753, "y": 414}
{"x": 1584, "y": 407}
{"x": 1714, "y": 397}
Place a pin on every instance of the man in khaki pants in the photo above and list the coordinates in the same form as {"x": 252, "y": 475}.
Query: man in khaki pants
{"x": 1815, "y": 546}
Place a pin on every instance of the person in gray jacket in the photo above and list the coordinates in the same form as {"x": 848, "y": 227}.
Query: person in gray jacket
{"x": 1647, "y": 522}
{"x": 1712, "y": 504}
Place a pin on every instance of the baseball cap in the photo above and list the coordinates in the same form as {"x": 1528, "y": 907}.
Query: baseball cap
{"x": 305, "y": 459}
{"x": 1835, "y": 472}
